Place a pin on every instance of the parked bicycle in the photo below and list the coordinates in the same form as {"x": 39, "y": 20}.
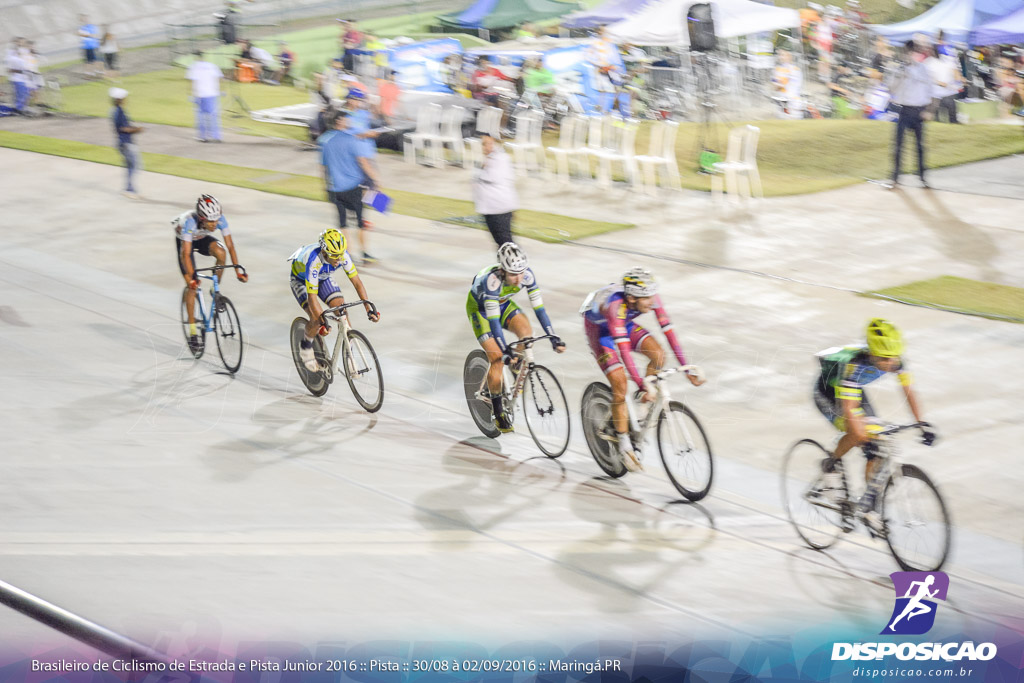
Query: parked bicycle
{"x": 352, "y": 352}
{"x": 220, "y": 320}
{"x": 914, "y": 521}
{"x": 545, "y": 409}
{"x": 680, "y": 438}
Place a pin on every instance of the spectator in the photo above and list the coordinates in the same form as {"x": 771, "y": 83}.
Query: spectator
{"x": 388, "y": 93}
{"x": 286, "y": 58}
{"x": 108, "y": 48}
{"x": 33, "y": 73}
{"x": 246, "y": 59}
{"x": 877, "y": 98}
{"x": 124, "y": 130}
{"x": 881, "y": 61}
{"x": 205, "y": 77}
{"x": 841, "y": 90}
{"x": 484, "y": 81}
{"x": 17, "y": 74}
{"x": 912, "y": 90}
{"x": 380, "y": 55}
{"x": 90, "y": 43}
{"x": 789, "y": 82}
{"x": 266, "y": 62}
{"x": 352, "y": 40}
{"x": 601, "y": 54}
{"x": 946, "y": 84}
{"x": 452, "y": 75}
{"x": 347, "y": 168}
{"x": 494, "y": 189}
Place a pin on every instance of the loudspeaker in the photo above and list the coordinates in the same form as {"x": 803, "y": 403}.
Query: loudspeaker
{"x": 701, "y": 26}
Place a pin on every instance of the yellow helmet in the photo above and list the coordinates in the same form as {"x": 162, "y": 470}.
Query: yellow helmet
{"x": 333, "y": 244}
{"x": 884, "y": 339}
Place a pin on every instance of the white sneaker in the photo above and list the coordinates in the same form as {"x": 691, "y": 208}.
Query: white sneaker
{"x": 632, "y": 461}
{"x": 308, "y": 359}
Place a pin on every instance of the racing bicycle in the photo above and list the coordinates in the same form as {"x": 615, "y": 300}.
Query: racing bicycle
{"x": 220, "y": 320}
{"x": 352, "y": 352}
{"x": 914, "y": 522}
{"x": 544, "y": 406}
{"x": 681, "y": 440}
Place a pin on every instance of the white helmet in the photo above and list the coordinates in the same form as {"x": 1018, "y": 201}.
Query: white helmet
{"x": 639, "y": 282}
{"x": 511, "y": 258}
{"x": 208, "y": 208}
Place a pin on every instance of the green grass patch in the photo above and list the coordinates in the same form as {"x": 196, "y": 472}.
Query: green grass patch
{"x": 541, "y": 226}
{"x": 986, "y": 299}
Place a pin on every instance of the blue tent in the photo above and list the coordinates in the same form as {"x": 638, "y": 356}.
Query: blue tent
{"x": 956, "y": 18}
{"x": 1006, "y": 31}
{"x": 608, "y": 13}
{"x": 500, "y": 14}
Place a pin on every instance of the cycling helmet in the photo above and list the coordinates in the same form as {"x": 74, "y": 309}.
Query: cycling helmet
{"x": 639, "y": 282}
{"x": 208, "y": 208}
{"x": 511, "y": 258}
{"x": 333, "y": 244}
{"x": 884, "y": 340}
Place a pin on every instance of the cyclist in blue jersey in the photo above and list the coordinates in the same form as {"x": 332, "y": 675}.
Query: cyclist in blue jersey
{"x": 311, "y": 268}
{"x": 193, "y": 231}
{"x": 491, "y": 310}
{"x": 839, "y": 396}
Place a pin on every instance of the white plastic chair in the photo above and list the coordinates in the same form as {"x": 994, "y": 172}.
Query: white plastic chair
{"x": 563, "y": 152}
{"x": 428, "y": 122}
{"x": 488, "y": 120}
{"x": 739, "y": 170}
{"x": 619, "y": 147}
{"x": 451, "y": 134}
{"x": 661, "y": 157}
{"x": 527, "y": 146}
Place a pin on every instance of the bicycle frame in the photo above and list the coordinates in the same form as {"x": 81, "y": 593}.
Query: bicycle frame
{"x": 526, "y": 364}
{"x": 341, "y": 344}
{"x": 209, "y": 320}
{"x": 661, "y": 401}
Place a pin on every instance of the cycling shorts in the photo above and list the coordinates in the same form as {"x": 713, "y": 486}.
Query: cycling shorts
{"x": 833, "y": 412}
{"x": 202, "y": 246}
{"x": 603, "y": 346}
{"x": 327, "y": 290}
{"x": 482, "y": 328}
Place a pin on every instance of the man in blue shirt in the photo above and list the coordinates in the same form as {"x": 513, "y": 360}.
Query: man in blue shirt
{"x": 90, "y": 36}
{"x": 124, "y": 130}
{"x": 346, "y": 167}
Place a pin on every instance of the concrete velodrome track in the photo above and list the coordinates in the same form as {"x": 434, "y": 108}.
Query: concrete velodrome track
{"x": 155, "y": 494}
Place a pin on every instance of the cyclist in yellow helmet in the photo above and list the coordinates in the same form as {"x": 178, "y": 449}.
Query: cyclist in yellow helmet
{"x": 839, "y": 396}
{"x": 311, "y": 283}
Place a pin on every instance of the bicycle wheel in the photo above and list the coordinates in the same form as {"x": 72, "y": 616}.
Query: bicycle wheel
{"x": 316, "y": 382}
{"x": 363, "y": 373}
{"x": 815, "y": 517}
{"x": 596, "y": 414}
{"x": 227, "y": 329}
{"x": 200, "y": 323}
{"x": 918, "y": 528}
{"x": 546, "y": 411}
{"x": 473, "y": 374}
{"x": 685, "y": 451}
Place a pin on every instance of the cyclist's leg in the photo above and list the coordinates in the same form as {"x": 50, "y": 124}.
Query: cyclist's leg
{"x": 607, "y": 357}
{"x": 217, "y": 250}
{"x": 482, "y": 332}
{"x": 190, "y": 294}
{"x": 330, "y": 295}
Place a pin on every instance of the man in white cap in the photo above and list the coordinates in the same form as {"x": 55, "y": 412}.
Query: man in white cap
{"x": 124, "y": 130}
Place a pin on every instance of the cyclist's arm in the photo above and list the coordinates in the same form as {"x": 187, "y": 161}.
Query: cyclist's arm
{"x": 533, "y": 290}
{"x": 311, "y": 277}
{"x": 666, "y": 328}
{"x": 229, "y": 242}
{"x": 908, "y": 391}
{"x": 850, "y": 397}
{"x": 492, "y": 311}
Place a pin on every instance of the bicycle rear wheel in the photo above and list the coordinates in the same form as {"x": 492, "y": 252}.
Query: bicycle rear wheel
{"x": 199, "y": 321}
{"x": 596, "y": 413}
{"x": 316, "y": 383}
{"x": 815, "y": 517}
{"x": 685, "y": 451}
{"x": 473, "y": 373}
{"x": 546, "y": 411}
{"x": 918, "y": 527}
{"x": 228, "y": 332}
{"x": 363, "y": 372}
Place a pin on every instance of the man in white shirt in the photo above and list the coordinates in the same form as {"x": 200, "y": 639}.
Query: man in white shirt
{"x": 17, "y": 74}
{"x": 494, "y": 189}
{"x": 947, "y": 82}
{"x": 205, "y": 77}
{"x": 912, "y": 90}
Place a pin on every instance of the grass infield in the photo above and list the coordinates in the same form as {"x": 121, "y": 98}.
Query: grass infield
{"x": 986, "y": 299}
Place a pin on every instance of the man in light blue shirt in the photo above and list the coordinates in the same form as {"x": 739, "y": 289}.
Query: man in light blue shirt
{"x": 911, "y": 89}
{"x": 347, "y": 169}
{"x": 90, "y": 36}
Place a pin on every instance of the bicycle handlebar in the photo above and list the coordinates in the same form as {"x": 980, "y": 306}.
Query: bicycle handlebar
{"x": 219, "y": 268}
{"x": 337, "y": 310}
{"x": 527, "y": 342}
{"x": 893, "y": 429}
{"x": 661, "y": 376}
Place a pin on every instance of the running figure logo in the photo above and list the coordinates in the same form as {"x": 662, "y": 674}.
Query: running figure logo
{"x": 916, "y": 592}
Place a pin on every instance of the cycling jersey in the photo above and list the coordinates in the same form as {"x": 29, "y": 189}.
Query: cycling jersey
{"x": 845, "y": 371}
{"x": 309, "y": 269}
{"x": 609, "y": 325}
{"x": 491, "y": 299}
{"x": 187, "y": 228}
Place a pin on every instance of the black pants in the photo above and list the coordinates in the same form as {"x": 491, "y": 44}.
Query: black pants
{"x": 910, "y": 118}
{"x": 351, "y": 200}
{"x": 500, "y": 225}
{"x": 946, "y": 104}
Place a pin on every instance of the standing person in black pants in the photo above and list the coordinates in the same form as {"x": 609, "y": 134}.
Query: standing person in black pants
{"x": 911, "y": 89}
{"x": 494, "y": 189}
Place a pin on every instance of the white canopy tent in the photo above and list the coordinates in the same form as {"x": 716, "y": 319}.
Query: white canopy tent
{"x": 664, "y": 22}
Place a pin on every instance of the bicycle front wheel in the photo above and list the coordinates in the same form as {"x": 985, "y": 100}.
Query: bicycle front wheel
{"x": 316, "y": 383}
{"x": 546, "y": 411}
{"x": 363, "y": 373}
{"x": 228, "y": 331}
{"x": 474, "y": 373}
{"x": 918, "y": 528}
{"x": 199, "y": 322}
{"x": 599, "y": 431}
{"x": 816, "y": 517}
{"x": 685, "y": 451}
